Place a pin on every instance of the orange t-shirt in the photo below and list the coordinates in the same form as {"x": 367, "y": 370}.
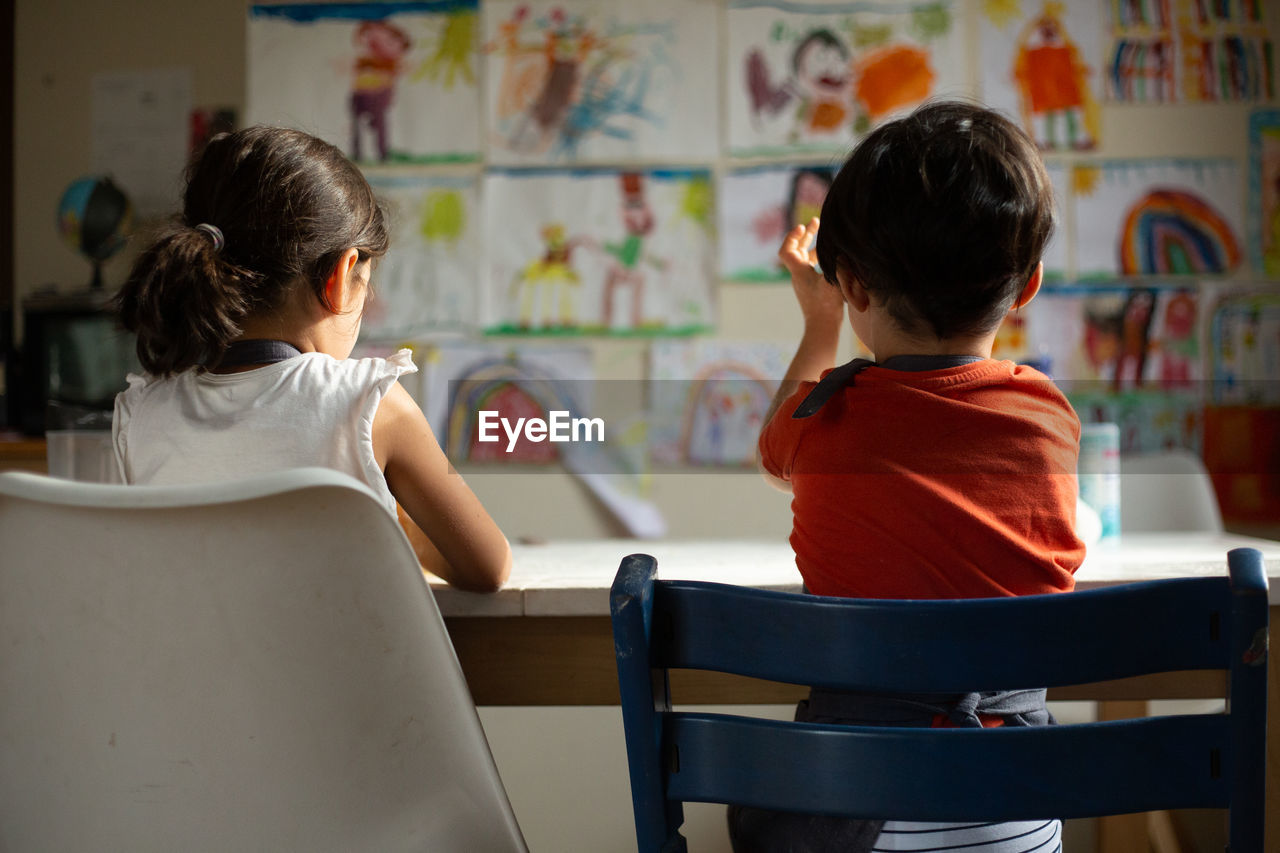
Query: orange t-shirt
{"x": 951, "y": 483}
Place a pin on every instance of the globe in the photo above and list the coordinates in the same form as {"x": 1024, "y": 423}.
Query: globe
{"x": 95, "y": 217}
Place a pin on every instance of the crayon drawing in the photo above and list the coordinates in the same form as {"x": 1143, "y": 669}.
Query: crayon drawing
{"x": 1157, "y": 217}
{"x": 1244, "y": 350}
{"x": 757, "y": 208}
{"x": 1264, "y": 192}
{"x": 1120, "y": 338}
{"x": 599, "y": 252}
{"x": 460, "y": 380}
{"x": 576, "y": 81}
{"x": 1042, "y": 65}
{"x": 708, "y": 399}
{"x": 1190, "y": 50}
{"x": 428, "y": 280}
{"x": 387, "y": 82}
{"x": 1055, "y": 255}
{"x": 813, "y": 77}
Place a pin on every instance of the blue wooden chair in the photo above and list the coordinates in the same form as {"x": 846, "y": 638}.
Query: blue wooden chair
{"x": 1210, "y": 761}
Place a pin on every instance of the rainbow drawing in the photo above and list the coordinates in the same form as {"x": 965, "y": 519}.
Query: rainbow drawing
{"x": 723, "y": 414}
{"x": 1174, "y": 232}
{"x": 514, "y": 389}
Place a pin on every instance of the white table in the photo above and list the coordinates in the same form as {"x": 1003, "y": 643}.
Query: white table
{"x": 546, "y": 638}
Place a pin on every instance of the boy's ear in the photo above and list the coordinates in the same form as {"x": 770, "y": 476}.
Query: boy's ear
{"x": 855, "y": 295}
{"x": 343, "y": 283}
{"x": 1030, "y": 289}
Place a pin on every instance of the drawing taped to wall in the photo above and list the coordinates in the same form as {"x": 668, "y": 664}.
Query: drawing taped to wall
{"x": 813, "y": 77}
{"x": 1157, "y": 217}
{"x": 708, "y": 399}
{"x": 1264, "y": 192}
{"x": 461, "y": 379}
{"x": 577, "y": 81}
{"x": 387, "y": 82}
{"x": 429, "y": 278}
{"x": 1041, "y": 65}
{"x": 757, "y": 207}
{"x": 1244, "y": 349}
{"x": 595, "y": 252}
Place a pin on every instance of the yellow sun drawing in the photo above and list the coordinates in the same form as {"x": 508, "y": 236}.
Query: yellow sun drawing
{"x": 1002, "y": 12}
{"x": 1084, "y": 179}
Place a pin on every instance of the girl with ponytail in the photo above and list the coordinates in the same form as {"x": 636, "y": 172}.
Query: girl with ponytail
{"x": 246, "y": 309}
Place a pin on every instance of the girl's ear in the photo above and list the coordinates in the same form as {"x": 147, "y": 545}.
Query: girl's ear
{"x": 1031, "y": 288}
{"x": 344, "y": 285}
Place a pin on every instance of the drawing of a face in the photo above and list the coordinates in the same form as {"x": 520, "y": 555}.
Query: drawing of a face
{"x": 808, "y": 191}
{"x": 383, "y": 40}
{"x": 1048, "y": 32}
{"x": 821, "y": 64}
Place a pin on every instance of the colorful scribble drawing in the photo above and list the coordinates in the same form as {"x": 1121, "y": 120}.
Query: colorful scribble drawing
{"x": 759, "y": 205}
{"x": 599, "y": 251}
{"x": 380, "y": 61}
{"x": 1053, "y": 84}
{"x": 709, "y": 400}
{"x": 570, "y": 79}
{"x": 1244, "y": 341}
{"x": 1173, "y": 232}
{"x": 388, "y": 82}
{"x": 553, "y": 277}
{"x": 425, "y": 282}
{"x": 512, "y": 389}
{"x": 1158, "y": 217}
{"x": 809, "y": 76}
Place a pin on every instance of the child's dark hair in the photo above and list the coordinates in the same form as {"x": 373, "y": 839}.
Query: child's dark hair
{"x": 942, "y": 216}
{"x": 284, "y": 206}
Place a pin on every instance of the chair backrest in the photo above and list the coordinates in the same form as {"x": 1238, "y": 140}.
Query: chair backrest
{"x": 942, "y": 647}
{"x": 1167, "y": 491}
{"x": 257, "y": 665}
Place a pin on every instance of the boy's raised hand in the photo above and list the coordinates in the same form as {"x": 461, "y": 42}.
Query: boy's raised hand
{"x": 820, "y": 302}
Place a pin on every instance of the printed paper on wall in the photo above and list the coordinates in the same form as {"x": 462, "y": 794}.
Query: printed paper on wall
{"x": 430, "y": 277}
{"x": 708, "y": 399}
{"x": 1264, "y": 192}
{"x": 1158, "y": 217}
{"x": 814, "y": 77}
{"x": 385, "y": 82}
{"x": 577, "y": 81}
{"x": 758, "y": 206}
{"x": 1041, "y": 64}
{"x": 599, "y": 251}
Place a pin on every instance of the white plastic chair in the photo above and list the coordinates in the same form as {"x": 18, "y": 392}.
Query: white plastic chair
{"x": 1167, "y": 491}
{"x": 256, "y": 665}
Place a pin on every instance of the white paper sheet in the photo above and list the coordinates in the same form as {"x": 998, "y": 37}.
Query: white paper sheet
{"x": 758, "y": 206}
{"x": 578, "y": 81}
{"x": 815, "y": 76}
{"x": 599, "y": 252}
{"x": 385, "y": 82}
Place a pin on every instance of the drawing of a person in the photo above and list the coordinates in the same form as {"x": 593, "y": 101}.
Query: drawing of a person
{"x": 1051, "y": 80}
{"x": 637, "y": 220}
{"x": 382, "y": 48}
{"x": 1135, "y": 339}
{"x": 553, "y": 275}
{"x": 820, "y": 64}
{"x": 1179, "y": 348}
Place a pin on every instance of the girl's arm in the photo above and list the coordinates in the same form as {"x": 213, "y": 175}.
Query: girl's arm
{"x": 452, "y": 534}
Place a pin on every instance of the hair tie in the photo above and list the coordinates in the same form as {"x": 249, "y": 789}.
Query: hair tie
{"x": 214, "y": 233}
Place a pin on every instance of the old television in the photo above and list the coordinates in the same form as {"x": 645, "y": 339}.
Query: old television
{"x": 74, "y": 357}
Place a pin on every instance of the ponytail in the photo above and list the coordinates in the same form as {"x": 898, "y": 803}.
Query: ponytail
{"x": 184, "y": 302}
{"x": 266, "y": 211}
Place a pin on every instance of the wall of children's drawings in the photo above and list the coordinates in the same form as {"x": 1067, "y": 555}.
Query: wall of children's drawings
{"x": 606, "y": 168}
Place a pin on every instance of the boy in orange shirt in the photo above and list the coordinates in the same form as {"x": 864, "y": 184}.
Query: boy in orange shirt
{"x": 934, "y": 471}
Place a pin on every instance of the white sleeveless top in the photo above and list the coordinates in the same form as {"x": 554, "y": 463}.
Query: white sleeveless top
{"x": 310, "y": 410}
